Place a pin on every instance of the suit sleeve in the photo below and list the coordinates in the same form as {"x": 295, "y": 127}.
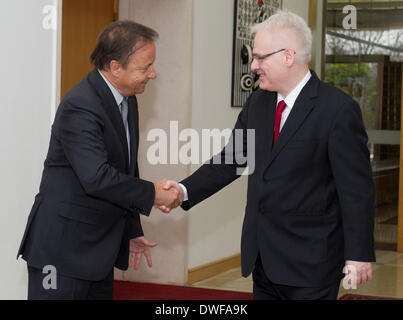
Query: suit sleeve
{"x": 351, "y": 168}
{"x": 134, "y": 226}
{"x": 81, "y": 136}
{"x": 221, "y": 169}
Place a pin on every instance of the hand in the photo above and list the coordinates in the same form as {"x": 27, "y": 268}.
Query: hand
{"x": 358, "y": 272}
{"x": 171, "y": 185}
{"x": 168, "y": 195}
{"x": 138, "y": 247}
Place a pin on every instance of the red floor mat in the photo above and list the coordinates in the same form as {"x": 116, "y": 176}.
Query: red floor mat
{"x": 349, "y": 296}
{"x": 145, "y": 291}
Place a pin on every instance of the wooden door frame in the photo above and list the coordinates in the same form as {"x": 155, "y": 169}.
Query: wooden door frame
{"x": 59, "y": 39}
{"x": 400, "y": 204}
{"x": 314, "y": 25}
{"x": 58, "y": 62}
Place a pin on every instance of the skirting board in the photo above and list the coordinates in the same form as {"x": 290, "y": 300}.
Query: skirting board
{"x": 213, "y": 268}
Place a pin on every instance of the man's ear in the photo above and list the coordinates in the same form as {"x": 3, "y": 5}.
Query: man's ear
{"x": 290, "y": 57}
{"x": 115, "y": 67}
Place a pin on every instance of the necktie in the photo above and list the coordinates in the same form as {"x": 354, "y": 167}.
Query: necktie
{"x": 277, "y": 122}
{"x": 124, "y": 110}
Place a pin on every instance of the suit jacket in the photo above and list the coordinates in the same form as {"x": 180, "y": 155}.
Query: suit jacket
{"x": 310, "y": 199}
{"x": 90, "y": 196}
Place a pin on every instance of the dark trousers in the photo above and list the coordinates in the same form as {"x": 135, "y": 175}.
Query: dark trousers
{"x": 68, "y": 288}
{"x": 264, "y": 289}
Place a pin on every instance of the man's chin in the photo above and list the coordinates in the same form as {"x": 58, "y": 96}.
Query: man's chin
{"x": 138, "y": 91}
{"x": 263, "y": 86}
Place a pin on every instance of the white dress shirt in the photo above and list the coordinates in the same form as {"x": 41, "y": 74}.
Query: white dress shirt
{"x": 291, "y": 98}
{"x": 119, "y": 100}
{"x": 116, "y": 94}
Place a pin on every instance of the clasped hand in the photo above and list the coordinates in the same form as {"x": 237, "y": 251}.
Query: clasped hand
{"x": 168, "y": 195}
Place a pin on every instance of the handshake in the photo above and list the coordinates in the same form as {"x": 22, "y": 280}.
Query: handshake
{"x": 168, "y": 195}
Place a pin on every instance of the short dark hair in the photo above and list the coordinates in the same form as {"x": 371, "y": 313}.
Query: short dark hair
{"x": 116, "y": 42}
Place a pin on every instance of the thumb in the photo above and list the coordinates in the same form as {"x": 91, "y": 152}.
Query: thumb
{"x": 168, "y": 185}
{"x": 149, "y": 243}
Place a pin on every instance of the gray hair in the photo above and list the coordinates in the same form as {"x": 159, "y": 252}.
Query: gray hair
{"x": 288, "y": 20}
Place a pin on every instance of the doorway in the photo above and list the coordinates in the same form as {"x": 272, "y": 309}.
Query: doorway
{"x": 82, "y": 22}
{"x": 366, "y": 62}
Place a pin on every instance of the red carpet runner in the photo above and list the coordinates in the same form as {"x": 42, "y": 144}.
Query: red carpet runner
{"x": 146, "y": 291}
{"x": 349, "y": 296}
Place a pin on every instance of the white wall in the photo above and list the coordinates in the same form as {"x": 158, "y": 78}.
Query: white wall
{"x": 214, "y": 230}
{"x": 300, "y": 7}
{"x": 28, "y": 96}
{"x": 168, "y": 98}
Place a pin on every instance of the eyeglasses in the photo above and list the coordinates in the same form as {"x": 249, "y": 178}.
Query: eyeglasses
{"x": 261, "y": 58}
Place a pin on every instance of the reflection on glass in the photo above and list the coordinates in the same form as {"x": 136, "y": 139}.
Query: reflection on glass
{"x": 386, "y": 180}
{"x": 366, "y": 63}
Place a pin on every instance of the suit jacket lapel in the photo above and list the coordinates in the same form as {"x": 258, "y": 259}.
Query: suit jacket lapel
{"x": 301, "y": 109}
{"x": 133, "y": 119}
{"x": 111, "y": 108}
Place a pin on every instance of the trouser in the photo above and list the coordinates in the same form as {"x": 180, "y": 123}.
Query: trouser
{"x": 66, "y": 288}
{"x": 264, "y": 289}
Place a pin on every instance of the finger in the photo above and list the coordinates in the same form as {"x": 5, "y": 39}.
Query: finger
{"x": 348, "y": 278}
{"x": 165, "y": 209}
{"x": 149, "y": 243}
{"x": 137, "y": 260}
{"x": 134, "y": 262}
{"x": 131, "y": 257}
{"x": 148, "y": 257}
{"x": 365, "y": 277}
{"x": 169, "y": 184}
{"x": 369, "y": 274}
{"x": 358, "y": 277}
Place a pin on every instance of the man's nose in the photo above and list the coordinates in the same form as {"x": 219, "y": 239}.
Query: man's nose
{"x": 254, "y": 65}
{"x": 152, "y": 74}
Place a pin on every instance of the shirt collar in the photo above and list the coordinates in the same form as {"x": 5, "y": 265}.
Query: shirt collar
{"x": 293, "y": 95}
{"x": 116, "y": 94}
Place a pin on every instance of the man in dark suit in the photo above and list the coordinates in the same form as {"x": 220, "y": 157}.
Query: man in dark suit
{"x": 310, "y": 198}
{"x": 85, "y": 219}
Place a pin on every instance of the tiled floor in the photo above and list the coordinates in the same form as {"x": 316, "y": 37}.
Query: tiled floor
{"x": 387, "y": 278}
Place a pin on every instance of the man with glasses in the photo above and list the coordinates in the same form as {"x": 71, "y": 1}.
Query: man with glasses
{"x": 310, "y": 199}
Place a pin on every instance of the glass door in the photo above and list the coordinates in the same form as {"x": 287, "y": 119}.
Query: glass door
{"x": 364, "y": 55}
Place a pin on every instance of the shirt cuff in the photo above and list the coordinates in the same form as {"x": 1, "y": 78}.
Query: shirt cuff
{"x": 185, "y": 192}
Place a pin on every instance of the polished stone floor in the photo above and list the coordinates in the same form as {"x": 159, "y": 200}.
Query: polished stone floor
{"x": 387, "y": 278}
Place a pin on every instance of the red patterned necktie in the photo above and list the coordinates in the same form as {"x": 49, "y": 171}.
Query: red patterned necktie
{"x": 280, "y": 108}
